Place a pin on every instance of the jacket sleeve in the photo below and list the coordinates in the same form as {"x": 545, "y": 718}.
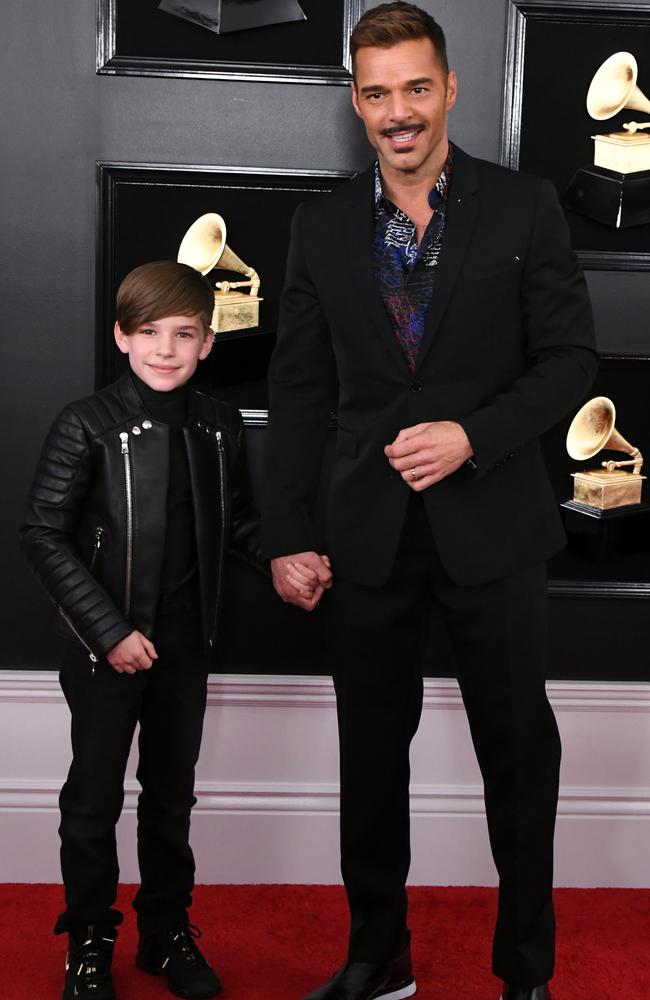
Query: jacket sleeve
{"x": 48, "y": 537}
{"x": 560, "y": 345}
{"x": 245, "y": 537}
{"x": 302, "y": 394}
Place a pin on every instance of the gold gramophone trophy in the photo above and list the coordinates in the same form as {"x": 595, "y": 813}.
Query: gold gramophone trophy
{"x": 204, "y": 247}
{"x": 592, "y": 430}
{"x": 616, "y": 189}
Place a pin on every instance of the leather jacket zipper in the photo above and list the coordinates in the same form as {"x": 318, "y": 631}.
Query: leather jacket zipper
{"x": 98, "y": 544}
{"x": 99, "y": 531}
{"x": 128, "y": 483}
{"x": 91, "y": 655}
{"x": 222, "y": 504}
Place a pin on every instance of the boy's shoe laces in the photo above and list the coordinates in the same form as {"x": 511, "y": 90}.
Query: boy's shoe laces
{"x": 183, "y": 941}
{"x": 88, "y": 968}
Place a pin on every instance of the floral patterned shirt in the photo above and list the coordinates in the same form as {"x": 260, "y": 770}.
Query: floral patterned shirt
{"x": 404, "y": 269}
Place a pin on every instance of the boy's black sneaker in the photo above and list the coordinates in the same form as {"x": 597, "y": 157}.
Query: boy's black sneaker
{"x": 176, "y": 956}
{"x": 88, "y": 966}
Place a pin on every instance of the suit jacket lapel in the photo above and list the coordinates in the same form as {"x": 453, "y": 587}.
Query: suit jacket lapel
{"x": 462, "y": 210}
{"x": 359, "y": 268}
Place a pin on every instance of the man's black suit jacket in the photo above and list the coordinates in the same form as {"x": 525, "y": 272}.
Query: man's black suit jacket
{"x": 508, "y": 350}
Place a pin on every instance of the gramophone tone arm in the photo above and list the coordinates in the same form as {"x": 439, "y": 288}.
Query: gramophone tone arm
{"x": 225, "y": 286}
{"x": 253, "y": 283}
{"x": 633, "y": 126}
{"x": 636, "y": 461}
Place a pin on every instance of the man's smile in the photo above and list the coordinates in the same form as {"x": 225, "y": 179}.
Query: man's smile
{"x": 402, "y": 135}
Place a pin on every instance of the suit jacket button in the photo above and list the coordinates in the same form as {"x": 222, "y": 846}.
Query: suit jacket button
{"x": 415, "y": 387}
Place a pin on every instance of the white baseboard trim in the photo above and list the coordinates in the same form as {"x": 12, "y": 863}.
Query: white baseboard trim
{"x": 215, "y": 798}
{"x": 267, "y": 803}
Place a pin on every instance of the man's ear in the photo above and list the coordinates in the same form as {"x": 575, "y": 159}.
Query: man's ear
{"x": 121, "y": 338}
{"x": 355, "y": 98}
{"x": 452, "y": 89}
{"x": 207, "y": 345}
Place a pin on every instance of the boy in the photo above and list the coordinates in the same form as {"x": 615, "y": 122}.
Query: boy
{"x": 140, "y": 489}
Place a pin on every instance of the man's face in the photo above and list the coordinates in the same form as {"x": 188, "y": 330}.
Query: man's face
{"x": 403, "y": 97}
{"x": 165, "y": 352}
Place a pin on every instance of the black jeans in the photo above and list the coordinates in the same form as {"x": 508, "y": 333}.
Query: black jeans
{"x": 169, "y": 703}
{"x": 498, "y": 634}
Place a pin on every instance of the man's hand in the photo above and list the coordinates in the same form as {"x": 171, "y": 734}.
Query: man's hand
{"x": 301, "y": 578}
{"x": 426, "y": 453}
{"x": 133, "y": 652}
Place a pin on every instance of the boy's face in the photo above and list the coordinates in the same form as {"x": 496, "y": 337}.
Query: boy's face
{"x": 164, "y": 353}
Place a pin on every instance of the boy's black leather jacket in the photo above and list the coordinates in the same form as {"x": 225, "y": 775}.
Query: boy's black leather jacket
{"x": 94, "y": 529}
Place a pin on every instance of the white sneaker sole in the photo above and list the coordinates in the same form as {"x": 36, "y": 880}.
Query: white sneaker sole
{"x": 400, "y": 994}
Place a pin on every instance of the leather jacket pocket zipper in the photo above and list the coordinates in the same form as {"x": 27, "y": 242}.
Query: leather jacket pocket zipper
{"x": 96, "y": 547}
{"x": 128, "y": 487}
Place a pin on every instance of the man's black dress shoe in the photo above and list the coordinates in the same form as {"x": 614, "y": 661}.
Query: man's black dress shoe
{"x": 370, "y": 981}
{"x": 512, "y": 992}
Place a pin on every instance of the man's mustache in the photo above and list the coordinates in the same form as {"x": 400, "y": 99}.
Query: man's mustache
{"x": 416, "y": 127}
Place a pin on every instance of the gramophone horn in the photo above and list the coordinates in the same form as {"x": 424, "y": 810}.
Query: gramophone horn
{"x": 204, "y": 247}
{"x": 592, "y": 429}
{"x": 614, "y": 87}
{"x": 229, "y": 261}
{"x": 203, "y": 243}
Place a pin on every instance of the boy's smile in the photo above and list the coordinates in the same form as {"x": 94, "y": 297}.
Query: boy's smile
{"x": 164, "y": 353}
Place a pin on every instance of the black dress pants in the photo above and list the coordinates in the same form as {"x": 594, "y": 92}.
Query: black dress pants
{"x": 169, "y": 703}
{"x": 498, "y": 634}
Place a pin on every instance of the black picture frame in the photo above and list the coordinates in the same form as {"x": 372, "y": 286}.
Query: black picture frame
{"x": 134, "y": 38}
{"x": 605, "y": 556}
{"x": 143, "y": 211}
{"x": 552, "y": 52}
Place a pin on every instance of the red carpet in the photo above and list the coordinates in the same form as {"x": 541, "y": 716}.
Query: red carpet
{"x": 278, "y": 942}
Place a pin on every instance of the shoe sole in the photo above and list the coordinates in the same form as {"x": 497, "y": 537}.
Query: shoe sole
{"x": 398, "y": 993}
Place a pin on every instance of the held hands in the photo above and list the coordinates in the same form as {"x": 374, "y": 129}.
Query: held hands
{"x": 301, "y": 578}
{"x": 132, "y": 653}
{"x": 426, "y": 453}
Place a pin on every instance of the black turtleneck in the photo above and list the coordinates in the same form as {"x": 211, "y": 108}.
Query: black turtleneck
{"x": 179, "y": 565}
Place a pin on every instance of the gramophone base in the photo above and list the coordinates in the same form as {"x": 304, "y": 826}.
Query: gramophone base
{"x": 235, "y": 311}
{"x": 234, "y": 15}
{"x": 617, "y": 200}
{"x": 597, "y": 535}
{"x": 606, "y": 490}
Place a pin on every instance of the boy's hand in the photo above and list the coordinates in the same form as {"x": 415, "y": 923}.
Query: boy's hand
{"x": 303, "y": 578}
{"x": 132, "y": 653}
{"x": 291, "y": 592}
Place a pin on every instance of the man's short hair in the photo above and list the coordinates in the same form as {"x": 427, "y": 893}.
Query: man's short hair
{"x": 162, "y": 288}
{"x": 390, "y": 23}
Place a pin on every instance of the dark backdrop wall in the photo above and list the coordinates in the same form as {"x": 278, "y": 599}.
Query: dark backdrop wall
{"x": 59, "y": 118}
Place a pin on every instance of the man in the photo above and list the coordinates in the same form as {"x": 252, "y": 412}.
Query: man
{"x": 435, "y": 303}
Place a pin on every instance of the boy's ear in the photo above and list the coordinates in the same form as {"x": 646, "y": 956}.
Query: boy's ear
{"x": 121, "y": 339}
{"x": 206, "y": 347}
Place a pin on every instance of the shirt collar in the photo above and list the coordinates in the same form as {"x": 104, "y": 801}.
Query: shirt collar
{"x": 437, "y": 195}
